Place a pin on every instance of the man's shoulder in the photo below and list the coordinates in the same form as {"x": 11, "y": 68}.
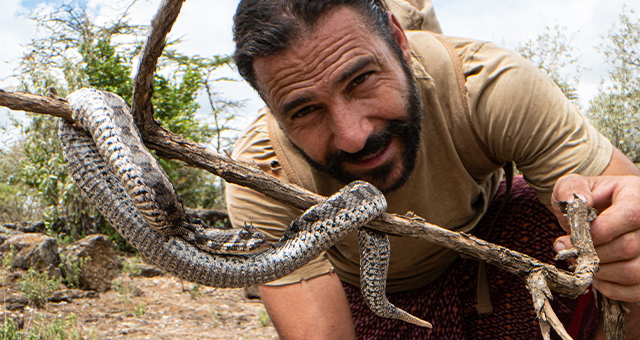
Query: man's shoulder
{"x": 254, "y": 141}
{"x": 480, "y": 61}
{"x": 421, "y": 40}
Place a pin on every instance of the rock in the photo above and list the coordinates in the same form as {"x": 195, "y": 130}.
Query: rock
{"x": 252, "y": 292}
{"x": 67, "y": 295}
{"x": 37, "y": 251}
{"x": 27, "y": 227}
{"x": 101, "y": 262}
{"x": 147, "y": 270}
{"x": 6, "y": 233}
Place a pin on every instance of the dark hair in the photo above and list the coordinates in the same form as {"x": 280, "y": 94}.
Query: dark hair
{"x": 265, "y": 27}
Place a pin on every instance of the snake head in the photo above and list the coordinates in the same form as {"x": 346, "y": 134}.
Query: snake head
{"x": 252, "y": 237}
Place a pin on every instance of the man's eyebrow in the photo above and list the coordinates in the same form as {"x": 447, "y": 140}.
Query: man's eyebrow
{"x": 350, "y": 72}
{"x": 355, "y": 68}
{"x": 288, "y": 106}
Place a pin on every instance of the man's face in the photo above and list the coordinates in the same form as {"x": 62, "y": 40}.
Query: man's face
{"x": 346, "y": 100}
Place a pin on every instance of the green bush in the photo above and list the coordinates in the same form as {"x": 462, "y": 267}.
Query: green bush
{"x": 71, "y": 268}
{"x": 38, "y": 287}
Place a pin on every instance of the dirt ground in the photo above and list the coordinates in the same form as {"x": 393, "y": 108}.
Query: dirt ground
{"x": 160, "y": 307}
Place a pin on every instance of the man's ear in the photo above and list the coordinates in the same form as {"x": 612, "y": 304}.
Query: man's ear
{"x": 397, "y": 32}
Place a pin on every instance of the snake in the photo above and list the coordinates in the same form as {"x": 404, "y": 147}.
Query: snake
{"x": 107, "y": 159}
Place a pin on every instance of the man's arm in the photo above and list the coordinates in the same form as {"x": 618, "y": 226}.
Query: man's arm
{"x": 310, "y": 309}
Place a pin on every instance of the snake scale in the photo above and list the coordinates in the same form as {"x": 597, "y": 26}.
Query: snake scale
{"x": 109, "y": 162}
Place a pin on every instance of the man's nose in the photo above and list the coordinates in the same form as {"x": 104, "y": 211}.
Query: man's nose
{"x": 350, "y": 128}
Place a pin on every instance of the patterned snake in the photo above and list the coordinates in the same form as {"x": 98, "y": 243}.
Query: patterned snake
{"x": 109, "y": 162}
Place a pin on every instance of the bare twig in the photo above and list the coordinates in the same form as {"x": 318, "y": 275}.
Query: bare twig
{"x": 614, "y": 320}
{"x": 143, "y": 83}
{"x": 541, "y": 295}
{"x": 33, "y": 103}
{"x": 580, "y": 215}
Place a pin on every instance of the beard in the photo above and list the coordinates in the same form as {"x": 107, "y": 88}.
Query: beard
{"x": 407, "y": 131}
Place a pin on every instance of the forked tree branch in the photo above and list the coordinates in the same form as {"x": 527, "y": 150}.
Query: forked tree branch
{"x": 539, "y": 276}
{"x": 172, "y": 146}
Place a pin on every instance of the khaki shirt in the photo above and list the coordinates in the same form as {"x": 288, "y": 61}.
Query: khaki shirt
{"x": 515, "y": 113}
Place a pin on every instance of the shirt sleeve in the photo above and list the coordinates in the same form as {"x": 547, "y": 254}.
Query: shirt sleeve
{"x": 523, "y": 117}
{"x": 268, "y": 215}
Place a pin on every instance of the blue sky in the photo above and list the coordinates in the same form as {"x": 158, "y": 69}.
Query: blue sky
{"x": 30, "y": 4}
{"x": 205, "y": 27}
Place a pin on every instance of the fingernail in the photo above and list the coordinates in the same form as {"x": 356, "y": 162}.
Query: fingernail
{"x": 559, "y": 246}
{"x": 580, "y": 196}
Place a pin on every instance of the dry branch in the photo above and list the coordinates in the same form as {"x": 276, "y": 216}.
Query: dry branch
{"x": 614, "y": 320}
{"x": 171, "y": 146}
{"x": 143, "y": 84}
{"x": 546, "y": 316}
{"x": 32, "y": 103}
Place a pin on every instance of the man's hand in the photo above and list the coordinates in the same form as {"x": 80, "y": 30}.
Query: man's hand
{"x": 616, "y": 230}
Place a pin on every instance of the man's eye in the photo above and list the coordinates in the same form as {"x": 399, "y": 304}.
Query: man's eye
{"x": 302, "y": 112}
{"x": 361, "y": 78}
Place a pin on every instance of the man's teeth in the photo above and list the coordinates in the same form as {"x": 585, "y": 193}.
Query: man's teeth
{"x": 368, "y": 157}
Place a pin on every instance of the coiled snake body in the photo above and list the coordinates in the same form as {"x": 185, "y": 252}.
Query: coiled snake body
{"x": 109, "y": 162}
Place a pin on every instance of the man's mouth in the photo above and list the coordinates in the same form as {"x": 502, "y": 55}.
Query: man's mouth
{"x": 374, "y": 159}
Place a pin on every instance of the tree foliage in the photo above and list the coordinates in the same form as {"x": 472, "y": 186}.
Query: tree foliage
{"x": 73, "y": 52}
{"x": 16, "y": 197}
{"x": 615, "y": 110}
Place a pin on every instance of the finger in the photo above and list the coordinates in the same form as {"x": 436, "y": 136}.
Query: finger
{"x": 621, "y": 272}
{"x": 620, "y": 218}
{"x": 623, "y": 248}
{"x": 564, "y": 190}
{"x": 618, "y": 292}
{"x": 568, "y": 185}
{"x": 562, "y": 243}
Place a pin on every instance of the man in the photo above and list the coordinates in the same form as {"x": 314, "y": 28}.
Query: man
{"x": 429, "y": 120}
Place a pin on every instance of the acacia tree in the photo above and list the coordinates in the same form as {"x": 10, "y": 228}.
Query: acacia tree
{"x": 615, "y": 110}
{"x": 74, "y": 52}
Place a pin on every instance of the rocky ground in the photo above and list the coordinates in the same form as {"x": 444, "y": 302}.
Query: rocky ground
{"x": 136, "y": 307}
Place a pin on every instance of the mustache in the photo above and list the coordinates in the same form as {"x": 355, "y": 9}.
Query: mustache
{"x": 375, "y": 142}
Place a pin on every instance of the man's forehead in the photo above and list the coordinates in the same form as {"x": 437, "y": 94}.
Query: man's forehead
{"x": 335, "y": 37}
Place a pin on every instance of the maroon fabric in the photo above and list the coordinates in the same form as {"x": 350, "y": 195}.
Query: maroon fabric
{"x": 449, "y": 303}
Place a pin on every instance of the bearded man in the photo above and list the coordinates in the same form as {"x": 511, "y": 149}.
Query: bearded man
{"x": 356, "y": 91}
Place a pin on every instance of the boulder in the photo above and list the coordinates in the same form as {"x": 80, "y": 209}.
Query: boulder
{"x": 92, "y": 261}
{"x": 33, "y": 250}
{"x": 27, "y": 227}
{"x": 6, "y": 232}
{"x": 148, "y": 270}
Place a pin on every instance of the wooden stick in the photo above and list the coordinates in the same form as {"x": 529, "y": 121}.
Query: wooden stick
{"x": 161, "y": 24}
{"x": 171, "y": 146}
{"x": 580, "y": 216}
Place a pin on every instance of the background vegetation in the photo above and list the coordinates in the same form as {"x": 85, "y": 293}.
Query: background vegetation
{"x": 74, "y": 52}
{"x": 615, "y": 110}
